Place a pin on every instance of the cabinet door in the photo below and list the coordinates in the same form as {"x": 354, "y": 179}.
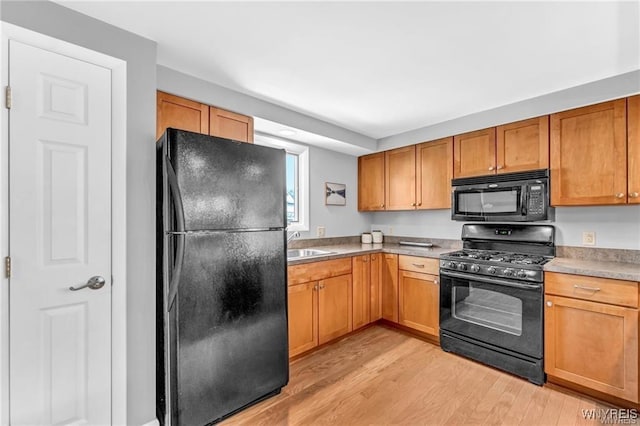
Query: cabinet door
{"x": 434, "y": 171}
{"x": 400, "y": 178}
{"x": 523, "y": 145}
{"x": 376, "y": 287}
{"x": 633, "y": 148}
{"x": 371, "y": 182}
{"x": 589, "y": 155}
{"x": 592, "y": 344}
{"x": 419, "y": 301}
{"x": 227, "y": 124}
{"x": 474, "y": 153}
{"x": 390, "y": 287}
{"x": 334, "y": 308}
{"x": 303, "y": 317}
{"x": 361, "y": 290}
{"x": 179, "y": 113}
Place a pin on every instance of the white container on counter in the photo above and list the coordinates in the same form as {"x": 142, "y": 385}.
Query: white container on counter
{"x": 377, "y": 237}
{"x": 366, "y": 238}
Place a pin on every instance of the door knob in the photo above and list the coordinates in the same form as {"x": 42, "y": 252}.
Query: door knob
{"x": 94, "y": 283}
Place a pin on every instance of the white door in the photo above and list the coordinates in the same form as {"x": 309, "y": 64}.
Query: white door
{"x": 59, "y": 237}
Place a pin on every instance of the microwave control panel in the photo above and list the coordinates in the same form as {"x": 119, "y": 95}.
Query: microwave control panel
{"x": 536, "y": 200}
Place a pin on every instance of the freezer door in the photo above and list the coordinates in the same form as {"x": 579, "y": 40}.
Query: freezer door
{"x": 224, "y": 184}
{"x": 229, "y": 324}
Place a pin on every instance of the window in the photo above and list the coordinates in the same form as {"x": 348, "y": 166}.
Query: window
{"x": 297, "y": 168}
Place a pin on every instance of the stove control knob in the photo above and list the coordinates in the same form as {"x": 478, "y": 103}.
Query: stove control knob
{"x": 475, "y": 268}
{"x": 462, "y": 266}
{"x": 508, "y": 272}
{"x": 522, "y": 273}
{"x": 451, "y": 265}
{"x": 491, "y": 270}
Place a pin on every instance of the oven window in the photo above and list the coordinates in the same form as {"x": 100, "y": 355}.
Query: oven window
{"x": 488, "y": 202}
{"x": 487, "y": 308}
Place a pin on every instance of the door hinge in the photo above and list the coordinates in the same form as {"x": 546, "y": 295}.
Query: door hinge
{"x": 7, "y": 97}
{"x": 7, "y": 266}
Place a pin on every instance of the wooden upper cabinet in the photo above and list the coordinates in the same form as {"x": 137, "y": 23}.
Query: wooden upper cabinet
{"x": 400, "y": 178}
{"x": 589, "y": 155}
{"x": 523, "y": 145}
{"x": 474, "y": 153}
{"x": 227, "y": 124}
{"x": 633, "y": 148}
{"x": 179, "y": 113}
{"x": 371, "y": 182}
{"x": 434, "y": 171}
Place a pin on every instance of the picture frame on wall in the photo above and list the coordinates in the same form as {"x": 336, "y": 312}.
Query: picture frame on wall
{"x": 335, "y": 194}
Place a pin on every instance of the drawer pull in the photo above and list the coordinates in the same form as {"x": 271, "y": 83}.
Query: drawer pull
{"x": 418, "y": 265}
{"x": 584, "y": 287}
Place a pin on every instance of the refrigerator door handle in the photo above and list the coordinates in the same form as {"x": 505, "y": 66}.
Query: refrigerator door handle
{"x": 180, "y": 235}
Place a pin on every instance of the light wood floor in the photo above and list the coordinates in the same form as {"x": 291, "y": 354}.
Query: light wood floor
{"x": 382, "y": 376}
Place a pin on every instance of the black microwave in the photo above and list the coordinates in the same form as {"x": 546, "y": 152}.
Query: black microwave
{"x": 509, "y": 197}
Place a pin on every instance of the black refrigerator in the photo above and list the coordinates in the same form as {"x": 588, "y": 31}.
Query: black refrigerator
{"x": 221, "y": 288}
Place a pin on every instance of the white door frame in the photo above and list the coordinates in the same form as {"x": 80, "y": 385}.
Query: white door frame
{"x": 118, "y": 212}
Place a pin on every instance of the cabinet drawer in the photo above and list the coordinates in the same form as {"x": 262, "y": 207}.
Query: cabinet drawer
{"x": 315, "y": 271}
{"x": 419, "y": 264}
{"x": 615, "y": 292}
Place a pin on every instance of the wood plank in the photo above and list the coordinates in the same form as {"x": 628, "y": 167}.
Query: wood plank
{"x": 381, "y": 376}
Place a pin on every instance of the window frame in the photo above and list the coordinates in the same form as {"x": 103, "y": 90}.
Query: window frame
{"x": 302, "y": 151}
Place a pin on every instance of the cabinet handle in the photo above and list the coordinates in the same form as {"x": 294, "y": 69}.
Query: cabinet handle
{"x": 436, "y": 281}
{"x": 413, "y": 204}
{"x": 491, "y": 168}
{"x": 584, "y": 287}
{"x": 620, "y": 195}
{"x": 321, "y": 286}
{"x": 418, "y": 265}
{"x": 499, "y": 167}
{"x": 420, "y": 203}
{"x": 549, "y": 303}
{"x": 382, "y": 206}
{"x": 633, "y": 195}
{"x": 315, "y": 287}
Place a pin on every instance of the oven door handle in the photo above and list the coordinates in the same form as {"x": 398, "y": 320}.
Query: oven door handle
{"x": 492, "y": 281}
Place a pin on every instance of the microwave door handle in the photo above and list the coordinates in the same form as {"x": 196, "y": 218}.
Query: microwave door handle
{"x": 525, "y": 201}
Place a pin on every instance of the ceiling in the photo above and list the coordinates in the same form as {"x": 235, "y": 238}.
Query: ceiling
{"x": 383, "y": 68}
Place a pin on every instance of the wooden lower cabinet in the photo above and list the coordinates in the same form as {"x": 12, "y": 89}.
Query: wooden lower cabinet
{"x": 389, "y": 284}
{"x": 319, "y": 311}
{"x": 303, "y": 317}
{"x": 419, "y": 301}
{"x": 361, "y": 271}
{"x": 589, "y": 343}
{"x": 334, "y": 308}
{"x": 375, "y": 285}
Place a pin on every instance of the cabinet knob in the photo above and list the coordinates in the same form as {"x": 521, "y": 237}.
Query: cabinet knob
{"x": 633, "y": 195}
{"x": 382, "y": 206}
{"x": 549, "y": 303}
{"x": 500, "y": 167}
{"x": 436, "y": 281}
{"x": 420, "y": 203}
{"x": 491, "y": 168}
{"x": 315, "y": 287}
{"x": 373, "y": 257}
{"x": 620, "y": 195}
{"x": 321, "y": 286}
{"x": 413, "y": 204}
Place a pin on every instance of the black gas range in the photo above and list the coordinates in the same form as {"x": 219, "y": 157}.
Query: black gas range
{"x": 491, "y": 296}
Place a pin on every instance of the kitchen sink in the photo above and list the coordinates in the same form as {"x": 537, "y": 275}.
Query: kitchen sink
{"x": 300, "y": 253}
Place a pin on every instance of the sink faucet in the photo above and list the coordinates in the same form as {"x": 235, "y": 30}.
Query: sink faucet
{"x": 295, "y": 234}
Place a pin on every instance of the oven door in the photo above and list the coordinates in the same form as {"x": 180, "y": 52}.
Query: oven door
{"x": 502, "y": 313}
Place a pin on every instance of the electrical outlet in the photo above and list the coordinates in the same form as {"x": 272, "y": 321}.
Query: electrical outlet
{"x": 320, "y": 231}
{"x": 588, "y": 238}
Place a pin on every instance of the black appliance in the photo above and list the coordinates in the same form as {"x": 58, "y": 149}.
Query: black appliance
{"x": 508, "y": 197}
{"x": 491, "y": 296}
{"x": 221, "y": 287}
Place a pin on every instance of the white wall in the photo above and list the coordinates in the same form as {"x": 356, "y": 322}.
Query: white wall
{"x": 339, "y": 221}
{"x": 140, "y": 54}
{"x": 615, "y": 226}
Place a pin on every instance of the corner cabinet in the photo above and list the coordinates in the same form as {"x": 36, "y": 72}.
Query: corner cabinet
{"x": 633, "y": 149}
{"x": 589, "y": 155}
{"x": 371, "y": 182}
{"x": 184, "y": 114}
{"x": 591, "y": 333}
